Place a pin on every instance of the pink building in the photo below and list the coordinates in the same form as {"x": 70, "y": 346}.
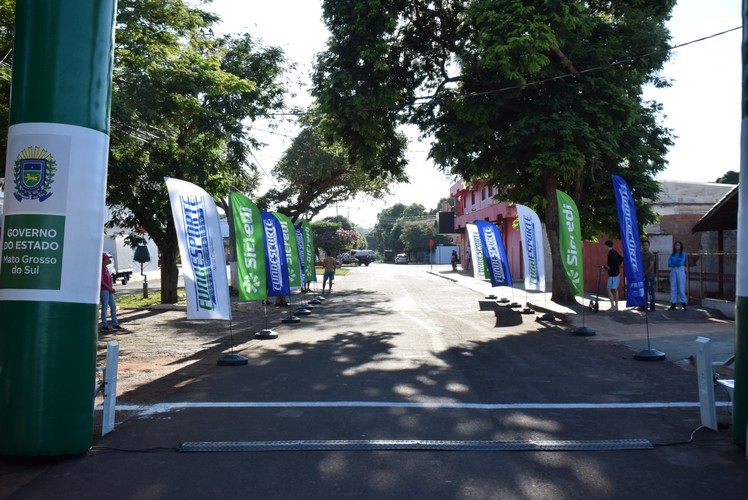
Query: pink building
{"x": 475, "y": 201}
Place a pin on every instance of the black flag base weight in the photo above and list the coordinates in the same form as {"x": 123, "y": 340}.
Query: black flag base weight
{"x": 233, "y": 360}
{"x": 265, "y": 334}
{"x": 649, "y": 355}
{"x": 547, "y": 317}
{"x": 290, "y": 319}
{"x": 584, "y": 331}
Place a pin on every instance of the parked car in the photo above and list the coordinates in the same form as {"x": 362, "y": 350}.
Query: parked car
{"x": 363, "y": 256}
{"x": 344, "y": 258}
{"x": 401, "y": 258}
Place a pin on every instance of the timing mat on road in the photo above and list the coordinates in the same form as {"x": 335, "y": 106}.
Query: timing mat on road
{"x": 416, "y": 444}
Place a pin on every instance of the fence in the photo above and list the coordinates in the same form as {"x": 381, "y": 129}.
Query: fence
{"x": 709, "y": 275}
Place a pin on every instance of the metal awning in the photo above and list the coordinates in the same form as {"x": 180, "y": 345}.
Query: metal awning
{"x": 722, "y": 216}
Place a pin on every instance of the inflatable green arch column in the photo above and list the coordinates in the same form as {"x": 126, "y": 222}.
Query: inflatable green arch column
{"x": 52, "y": 232}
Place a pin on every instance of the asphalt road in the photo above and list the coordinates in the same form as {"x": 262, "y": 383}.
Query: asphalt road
{"x": 399, "y": 354}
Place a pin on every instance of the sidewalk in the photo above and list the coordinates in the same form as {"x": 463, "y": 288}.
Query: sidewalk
{"x": 671, "y": 332}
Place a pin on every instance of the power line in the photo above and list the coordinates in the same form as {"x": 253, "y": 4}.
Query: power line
{"x": 421, "y": 100}
{"x": 259, "y": 165}
{"x": 602, "y": 67}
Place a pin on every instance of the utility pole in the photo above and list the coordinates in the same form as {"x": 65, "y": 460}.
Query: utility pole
{"x": 740, "y": 415}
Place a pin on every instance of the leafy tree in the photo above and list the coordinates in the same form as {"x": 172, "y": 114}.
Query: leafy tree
{"x": 363, "y": 100}
{"x": 314, "y": 176}
{"x": 438, "y": 208}
{"x": 332, "y": 237}
{"x": 729, "y": 177}
{"x": 180, "y": 104}
{"x": 526, "y": 96}
{"x": 390, "y": 223}
{"x": 341, "y": 220}
{"x": 415, "y": 237}
{"x": 380, "y": 235}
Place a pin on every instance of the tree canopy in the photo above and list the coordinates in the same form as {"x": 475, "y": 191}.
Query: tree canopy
{"x": 314, "y": 176}
{"x": 415, "y": 237}
{"x": 336, "y": 235}
{"x": 181, "y": 100}
{"x": 528, "y": 96}
{"x": 404, "y": 228}
{"x": 729, "y": 177}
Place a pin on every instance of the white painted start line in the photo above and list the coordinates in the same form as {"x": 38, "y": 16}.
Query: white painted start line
{"x": 157, "y": 408}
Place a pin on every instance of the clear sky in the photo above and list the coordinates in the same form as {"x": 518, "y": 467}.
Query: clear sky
{"x": 702, "y": 106}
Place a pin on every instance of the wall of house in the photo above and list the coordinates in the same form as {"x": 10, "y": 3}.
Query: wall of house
{"x": 679, "y": 206}
{"x": 475, "y": 202}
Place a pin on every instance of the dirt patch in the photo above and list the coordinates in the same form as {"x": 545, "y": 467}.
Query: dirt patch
{"x": 161, "y": 350}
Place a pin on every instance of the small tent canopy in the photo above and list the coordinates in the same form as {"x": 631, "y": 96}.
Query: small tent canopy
{"x": 722, "y": 216}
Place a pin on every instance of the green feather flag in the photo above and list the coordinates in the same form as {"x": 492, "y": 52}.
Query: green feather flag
{"x": 250, "y": 248}
{"x": 570, "y": 241}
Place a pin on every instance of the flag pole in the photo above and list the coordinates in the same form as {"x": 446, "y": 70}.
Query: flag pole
{"x": 546, "y": 316}
{"x": 632, "y": 258}
{"x": 303, "y": 309}
{"x": 291, "y": 318}
{"x": 649, "y": 354}
{"x": 232, "y": 359}
{"x": 266, "y": 333}
{"x": 583, "y": 331}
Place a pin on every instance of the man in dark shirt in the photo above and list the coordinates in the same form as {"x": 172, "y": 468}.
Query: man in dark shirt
{"x": 614, "y": 275}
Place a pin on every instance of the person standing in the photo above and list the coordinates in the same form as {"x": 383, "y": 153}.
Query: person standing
{"x": 107, "y": 294}
{"x": 648, "y": 267}
{"x": 468, "y": 262}
{"x": 453, "y": 260}
{"x": 677, "y": 264}
{"x": 329, "y": 265}
{"x": 613, "y": 268}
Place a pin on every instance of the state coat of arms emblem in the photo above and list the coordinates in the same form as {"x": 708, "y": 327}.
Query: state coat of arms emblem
{"x": 33, "y": 173}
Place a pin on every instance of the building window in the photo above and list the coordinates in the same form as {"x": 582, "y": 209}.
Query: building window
{"x": 490, "y": 192}
{"x": 464, "y": 201}
{"x": 483, "y": 194}
{"x": 472, "y": 197}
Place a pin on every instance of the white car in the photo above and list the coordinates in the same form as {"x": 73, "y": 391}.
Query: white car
{"x": 401, "y": 258}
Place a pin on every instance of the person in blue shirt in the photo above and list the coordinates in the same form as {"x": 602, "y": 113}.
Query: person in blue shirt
{"x": 677, "y": 264}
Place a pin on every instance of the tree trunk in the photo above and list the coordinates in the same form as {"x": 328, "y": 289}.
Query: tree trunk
{"x": 169, "y": 275}
{"x": 562, "y": 292}
{"x": 169, "y": 270}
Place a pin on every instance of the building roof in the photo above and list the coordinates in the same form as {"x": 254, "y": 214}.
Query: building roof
{"x": 722, "y": 216}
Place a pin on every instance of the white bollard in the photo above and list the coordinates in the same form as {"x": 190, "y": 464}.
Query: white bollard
{"x": 110, "y": 387}
{"x": 705, "y": 374}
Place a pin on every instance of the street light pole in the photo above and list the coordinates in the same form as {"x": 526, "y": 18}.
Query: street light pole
{"x": 740, "y": 415}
